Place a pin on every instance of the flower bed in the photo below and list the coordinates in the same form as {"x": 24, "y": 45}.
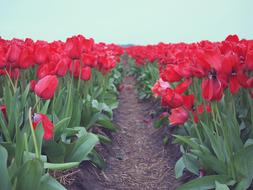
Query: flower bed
{"x": 51, "y": 96}
{"x": 206, "y": 88}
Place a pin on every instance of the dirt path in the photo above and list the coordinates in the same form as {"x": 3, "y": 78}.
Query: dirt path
{"x": 137, "y": 159}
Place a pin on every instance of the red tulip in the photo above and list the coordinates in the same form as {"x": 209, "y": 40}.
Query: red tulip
{"x": 86, "y": 73}
{"x": 172, "y": 99}
{"x": 159, "y": 87}
{"x": 13, "y": 52}
{"x": 212, "y": 89}
{"x": 74, "y": 67}
{"x": 188, "y": 101}
{"x": 178, "y": 116}
{"x": 32, "y": 85}
{"x": 170, "y": 75}
{"x": 46, "y": 87}
{"x": 182, "y": 87}
{"x": 47, "y": 125}
{"x": 41, "y": 52}
{"x": 89, "y": 59}
{"x": 62, "y": 66}
{"x": 26, "y": 58}
{"x": 208, "y": 108}
{"x": 72, "y": 47}
{"x": 232, "y": 38}
{"x": 44, "y": 70}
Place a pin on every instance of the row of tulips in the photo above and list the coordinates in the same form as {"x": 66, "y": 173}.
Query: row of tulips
{"x": 51, "y": 97}
{"x": 207, "y": 88}
{"x": 146, "y": 76}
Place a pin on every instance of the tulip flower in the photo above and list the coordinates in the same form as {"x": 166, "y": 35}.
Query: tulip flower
{"x": 46, "y": 87}
{"x": 72, "y": 47}
{"x": 47, "y": 125}
{"x": 159, "y": 87}
{"x": 32, "y": 85}
{"x": 172, "y": 99}
{"x": 86, "y": 73}
{"x": 178, "y": 116}
{"x": 41, "y": 52}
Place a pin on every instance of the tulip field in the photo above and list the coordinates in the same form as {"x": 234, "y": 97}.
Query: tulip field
{"x": 59, "y": 101}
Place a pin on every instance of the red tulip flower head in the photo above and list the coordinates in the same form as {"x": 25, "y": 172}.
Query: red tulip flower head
{"x": 46, "y": 87}
{"x": 86, "y": 73}
{"x": 47, "y": 125}
{"x": 178, "y": 116}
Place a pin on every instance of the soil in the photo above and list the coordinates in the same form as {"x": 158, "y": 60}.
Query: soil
{"x": 137, "y": 159}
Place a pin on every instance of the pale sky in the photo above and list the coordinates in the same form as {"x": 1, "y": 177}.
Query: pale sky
{"x": 127, "y": 21}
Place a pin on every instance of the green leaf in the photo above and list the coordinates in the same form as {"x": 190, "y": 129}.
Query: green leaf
{"x": 191, "y": 163}
{"x": 219, "y": 186}
{"x": 179, "y": 168}
{"x": 206, "y": 182}
{"x": 244, "y": 166}
{"x": 165, "y": 140}
{"x": 24, "y": 95}
{"x": 31, "y": 156}
{"x": 45, "y": 107}
{"x": 49, "y": 183}
{"x": 104, "y": 139}
{"x": 20, "y": 146}
{"x": 248, "y": 143}
{"x": 60, "y": 126}
{"x": 77, "y": 113}
{"x": 55, "y": 151}
{"x": 97, "y": 159}
{"x": 4, "y": 128}
{"x": 210, "y": 161}
{"x": 39, "y": 132}
{"x": 82, "y": 147}
{"x": 4, "y": 176}
{"x": 243, "y": 184}
{"x": 187, "y": 140}
{"x": 160, "y": 122}
{"x": 106, "y": 123}
{"x": 29, "y": 175}
{"x": 62, "y": 166}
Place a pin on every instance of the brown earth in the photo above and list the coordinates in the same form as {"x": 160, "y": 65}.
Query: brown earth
{"x": 137, "y": 159}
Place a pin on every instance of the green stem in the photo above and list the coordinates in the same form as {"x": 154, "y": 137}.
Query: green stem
{"x": 6, "y": 133}
{"x": 36, "y": 105}
{"x": 26, "y": 143}
{"x": 215, "y": 119}
{"x": 37, "y": 155}
{"x": 198, "y": 133}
